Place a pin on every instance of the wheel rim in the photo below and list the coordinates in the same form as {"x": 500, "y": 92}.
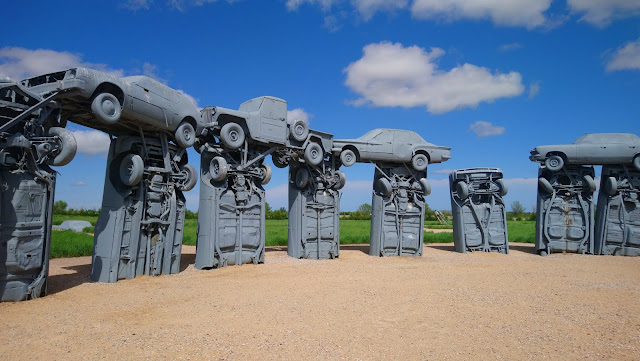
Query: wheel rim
{"x": 348, "y": 158}
{"x": 553, "y": 162}
{"x": 233, "y": 136}
{"x": 187, "y": 134}
{"x": 419, "y": 162}
{"x": 109, "y": 107}
{"x": 299, "y": 130}
{"x": 215, "y": 168}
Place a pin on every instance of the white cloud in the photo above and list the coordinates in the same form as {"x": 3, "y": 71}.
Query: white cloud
{"x": 191, "y": 99}
{"x": 293, "y": 5}
{"x": 626, "y": 57}
{"x": 393, "y": 75}
{"x": 528, "y": 13}
{"x": 298, "y": 113}
{"x": 20, "y": 63}
{"x": 603, "y": 12}
{"x": 79, "y": 184}
{"x": 92, "y": 142}
{"x": 486, "y": 129}
{"x": 368, "y": 8}
{"x": 534, "y": 89}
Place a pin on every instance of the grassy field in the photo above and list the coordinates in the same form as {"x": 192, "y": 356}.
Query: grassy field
{"x": 70, "y": 244}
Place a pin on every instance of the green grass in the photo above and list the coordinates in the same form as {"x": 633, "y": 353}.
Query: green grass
{"x": 70, "y": 244}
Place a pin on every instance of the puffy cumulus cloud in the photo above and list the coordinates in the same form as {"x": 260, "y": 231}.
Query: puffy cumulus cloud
{"x": 626, "y": 57}
{"x": 527, "y": 13}
{"x": 486, "y": 129}
{"x": 19, "y": 63}
{"x": 298, "y": 113}
{"x": 603, "y": 12}
{"x": 92, "y": 142}
{"x": 390, "y": 75}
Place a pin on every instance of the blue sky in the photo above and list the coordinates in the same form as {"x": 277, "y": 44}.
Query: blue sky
{"x": 489, "y": 78}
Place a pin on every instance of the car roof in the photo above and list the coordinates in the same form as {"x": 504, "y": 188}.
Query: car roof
{"x": 601, "y": 138}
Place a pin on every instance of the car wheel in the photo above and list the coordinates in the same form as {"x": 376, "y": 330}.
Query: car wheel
{"x": 313, "y": 154}
{"x": 348, "y": 157}
{"x": 191, "y": 176}
{"x": 276, "y": 161}
{"x": 302, "y": 178}
{"x": 611, "y": 186}
{"x": 106, "y": 108}
{"x": 590, "y": 183}
{"x": 131, "y": 169}
{"x": 68, "y": 146}
{"x": 185, "y": 135}
{"x": 502, "y": 187}
{"x": 426, "y": 186}
{"x": 544, "y": 185}
{"x": 543, "y": 253}
{"x": 462, "y": 189}
{"x": 232, "y": 135}
{"x": 265, "y": 171}
{"x": 636, "y": 161}
{"x": 341, "y": 180}
{"x": 218, "y": 169}
{"x": 554, "y": 163}
{"x": 419, "y": 162}
{"x": 299, "y": 130}
{"x": 384, "y": 187}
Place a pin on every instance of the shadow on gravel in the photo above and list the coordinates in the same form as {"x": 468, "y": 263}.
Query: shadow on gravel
{"x": 59, "y": 283}
{"x": 450, "y": 248}
{"x": 522, "y": 248}
{"x": 364, "y": 248}
{"x": 275, "y": 249}
{"x": 187, "y": 260}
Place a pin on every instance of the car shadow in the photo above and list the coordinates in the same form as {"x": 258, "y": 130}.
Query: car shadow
{"x": 450, "y": 248}
{"x": 275, "y": 249}
{"x": 522, "y": 248}
{"x": 187, "y": 260}
{"x": 59, "y": 283}
{"x": 364, "y": 248}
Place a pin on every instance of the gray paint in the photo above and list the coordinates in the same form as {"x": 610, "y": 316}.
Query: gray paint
{"x": 593, "y": 149}
{"x": 391, "y": 145}
{"x": 618, "y": 214}
{"x": 76, "y": 226}
{"x": 564, "y": 212}
{"x": 139, "y": 229}
{"x": 479, "y": 215}
{"x": 314, "y": 212}
{"x": 397, "y": 219}
{"x": 28, "y": 144}
{"x": 231, "y": 212}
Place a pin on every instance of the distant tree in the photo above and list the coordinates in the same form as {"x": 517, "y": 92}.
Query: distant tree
{"x": 429, "y": 214}
{"x": 365, "y": 208}
{"x": 517, "y": 208}
{"x": 59, "y": 206}
{"x": 267, "y": 208}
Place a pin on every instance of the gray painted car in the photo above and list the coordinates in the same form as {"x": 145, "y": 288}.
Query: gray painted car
{"x": 121, "y": 105}
{"x": 390, "y": 145}
{"x": 591, "y": 149}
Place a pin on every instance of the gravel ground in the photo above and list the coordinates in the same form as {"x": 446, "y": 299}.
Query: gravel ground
{"x": 444, "y": 305}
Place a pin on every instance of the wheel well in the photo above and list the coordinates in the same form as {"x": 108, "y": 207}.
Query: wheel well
{"x": 191, "y": 121}
{"x": 425, "y": 153}
{"x": 225, "y": 118}
{"x": 560, "y": 154}
{"x": 354, "y": 149}
{"x": 110, "y": 88}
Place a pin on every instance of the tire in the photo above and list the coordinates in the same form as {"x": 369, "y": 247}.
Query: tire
{"x": 276, "y": 162}
{"x": 302, "y": 178}
{"x": 68, "y": 146}
{"x": 313, "y": 154}
{"x": 426, "y": 186}
{"x": 185, "y": 135}
{"x": 554, "y": 163}
{"x": 299, "y": 130}
{"x": 419, "y": 162}
{"x": 191, "y": 175}
{"x": 341, "y": 180}
{"x": 502, "y": 187}
{"x": 463, "y": 190}
{"x": 589, "y": 183}
{"x": 348, "y": 157}
{"x": 611, "y": 186}
{"x": 543, "y": 253}
{"x": 232, "y": 135}
{"x": 218, "y": 169}
{"x": 106, "y": 108}
{"x": 544, "y": 185}
{"x": 384, "y": 187}
{"x": 265, "y": 169}
{"x": 636, "y": 161}
{"x": 131, "y": 169}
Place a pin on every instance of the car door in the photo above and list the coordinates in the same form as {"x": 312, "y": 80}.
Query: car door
{"x": 145, "y": 104}
{"x": 403, "y": 145}
{"x": 380, "y": 147}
